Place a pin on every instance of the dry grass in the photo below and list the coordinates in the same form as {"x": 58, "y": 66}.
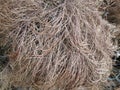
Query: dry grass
{"x": 61, "y": 44}
{"x": 111, "y": 12}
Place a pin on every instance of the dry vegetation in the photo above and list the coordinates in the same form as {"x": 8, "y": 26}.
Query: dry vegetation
{"x": 111, "y": 12}
{"x": 55, "y": 45}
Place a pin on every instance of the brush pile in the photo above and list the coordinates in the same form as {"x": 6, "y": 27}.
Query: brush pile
{"x": 111, "y": 12}
{"x": 60, "y": 44}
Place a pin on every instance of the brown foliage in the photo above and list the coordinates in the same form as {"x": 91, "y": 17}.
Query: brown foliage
{"x": 62, "y": 45}
{"x": 111, "y": 10}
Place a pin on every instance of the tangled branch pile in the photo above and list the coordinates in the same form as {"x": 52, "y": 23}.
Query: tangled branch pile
{"x": 111, "y": 12}
{"x": 60, "y": 44}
